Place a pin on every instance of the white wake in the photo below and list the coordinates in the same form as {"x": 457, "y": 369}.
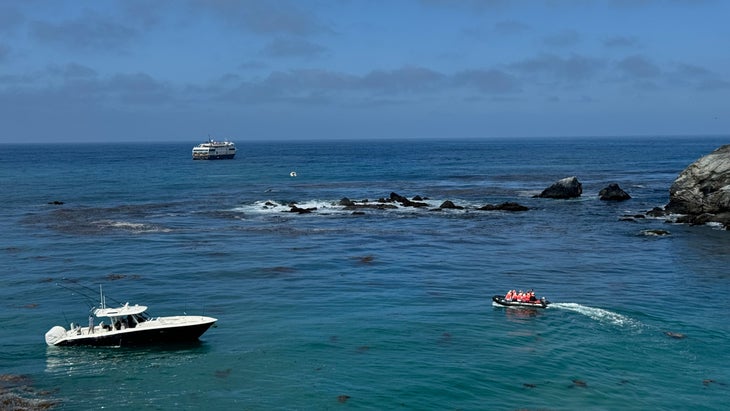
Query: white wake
{"x": 599, "y": 314}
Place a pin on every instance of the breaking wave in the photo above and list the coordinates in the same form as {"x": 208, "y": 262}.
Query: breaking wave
{"x": 327, "y": 207}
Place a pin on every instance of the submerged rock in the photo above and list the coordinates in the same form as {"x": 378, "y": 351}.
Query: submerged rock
{"x": 655, "y": 232}
{"x": 657, "y": 212}
{"x": 568, "y": 187}
{"x": 613, "y": 192}
{"x": 677, "y": 336}
{"x": 579, "y": 383}
{"x": 507, "y": 206}
{"x": 702, "y": 190}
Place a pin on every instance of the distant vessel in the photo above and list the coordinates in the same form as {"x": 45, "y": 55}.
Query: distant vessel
{"x": 130, "y": 325}
{"x": 214, "y": 150}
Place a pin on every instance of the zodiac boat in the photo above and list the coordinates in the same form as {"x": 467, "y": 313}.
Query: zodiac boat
{"x": 500, "y": 301}
{"x": 130, "y": 325}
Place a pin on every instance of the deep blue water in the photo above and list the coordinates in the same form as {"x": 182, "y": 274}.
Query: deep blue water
{"x": 386, "y": 310}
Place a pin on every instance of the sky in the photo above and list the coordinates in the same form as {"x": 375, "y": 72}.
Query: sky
{"x": 183, "y": 70}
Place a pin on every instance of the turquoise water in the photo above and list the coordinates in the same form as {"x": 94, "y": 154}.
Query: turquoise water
{"x": 386, "y": 310}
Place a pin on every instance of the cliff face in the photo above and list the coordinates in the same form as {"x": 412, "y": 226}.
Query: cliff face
{"x": 703, "y": 188}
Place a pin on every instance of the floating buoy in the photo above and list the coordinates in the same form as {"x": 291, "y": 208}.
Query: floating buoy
{"x": 293, "y": 174}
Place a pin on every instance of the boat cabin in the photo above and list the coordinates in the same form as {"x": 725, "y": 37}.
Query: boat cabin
{"x": 122, "y": 317}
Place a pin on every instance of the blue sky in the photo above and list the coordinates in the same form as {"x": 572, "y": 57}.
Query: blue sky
{"x": 180, "y": 70}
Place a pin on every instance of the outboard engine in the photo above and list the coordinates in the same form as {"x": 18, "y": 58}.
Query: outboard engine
{"x": 55, "y": 334}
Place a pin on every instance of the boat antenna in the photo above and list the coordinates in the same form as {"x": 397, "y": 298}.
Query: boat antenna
{"x": 102, "y": 301}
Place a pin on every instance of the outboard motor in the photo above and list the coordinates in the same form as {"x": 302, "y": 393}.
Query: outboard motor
{"x": 55, "y": 335}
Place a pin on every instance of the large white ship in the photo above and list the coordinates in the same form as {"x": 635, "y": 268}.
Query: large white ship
{"x": 214, "y": 150}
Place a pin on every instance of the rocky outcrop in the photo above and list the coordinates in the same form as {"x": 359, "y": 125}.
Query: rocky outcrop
{"x": 406, "y": 202}
{"x": 508, "y": 206}
{"x": 613, "y": 192}
{"x": 381, "y": 204}
{"x": 449, "y": 205}
{"x": 702, "y": 191}
{"x": 568, "y": 187}
{"x": 298, "y": 210}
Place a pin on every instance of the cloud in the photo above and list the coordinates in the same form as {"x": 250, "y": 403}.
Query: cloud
{"x": 405, "y": 85}
{"x": 90, "y": 32}
{"x": 510, "y": 27}
{"x": 621, "y": 42}
{"x": 137, "y": 88}
{"x": 556, "y": 68}
{"x": 490, "y": 81}
{"x": 472, "y": 5}
{"x": 75, "y": 85}
{"x": 265, "y": 17}
{"x": 404, "y": 80}
{"x": 10, "y": 19}
{"x": 293, "y": 47}
{"x": 638, "y": 67}
{"x": 698, "y": 78}
{"x": 564, "y": 38}
{"x": 4, "y": 52}
{"x": 72, "y": 71}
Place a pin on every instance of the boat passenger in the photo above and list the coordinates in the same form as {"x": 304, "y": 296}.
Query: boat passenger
{"x": 91, "y": 323}
{"x": 532, "y": 296}
{"x": 509, "y": 295}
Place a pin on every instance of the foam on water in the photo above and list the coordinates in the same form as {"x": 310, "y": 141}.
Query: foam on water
{"x": 325, "y": 207}
{"x": 599, "y": 314}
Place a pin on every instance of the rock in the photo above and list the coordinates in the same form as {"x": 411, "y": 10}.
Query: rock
{"x": 448, "y": 204}
{"x": 295, "y": 209}
{"x": 346, "y": 202}
{"x": 657, "y": 212}
{"x": 568, "y": 187}
{"x": 406, "y": 202}
{"x": 508, "y": 206}
{"x": 703, "y": 188}
{"x": 613, "y": 192}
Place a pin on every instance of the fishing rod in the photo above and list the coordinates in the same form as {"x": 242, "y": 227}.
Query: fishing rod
{"x": 86, "y": 295}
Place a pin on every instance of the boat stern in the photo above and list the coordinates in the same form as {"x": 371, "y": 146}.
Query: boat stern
{"x": 55, "y": 335}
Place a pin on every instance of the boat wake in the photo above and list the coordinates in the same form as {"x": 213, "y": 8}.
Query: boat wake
{"x": 599, "y": 314}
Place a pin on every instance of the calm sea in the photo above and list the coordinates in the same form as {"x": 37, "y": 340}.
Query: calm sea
{"x": 388, "y": 309}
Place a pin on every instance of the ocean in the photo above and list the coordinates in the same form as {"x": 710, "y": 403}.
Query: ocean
{"x": 379, "y": 309}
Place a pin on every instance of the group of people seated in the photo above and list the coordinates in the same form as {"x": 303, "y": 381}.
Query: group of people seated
{"x": 521, "y": 296}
